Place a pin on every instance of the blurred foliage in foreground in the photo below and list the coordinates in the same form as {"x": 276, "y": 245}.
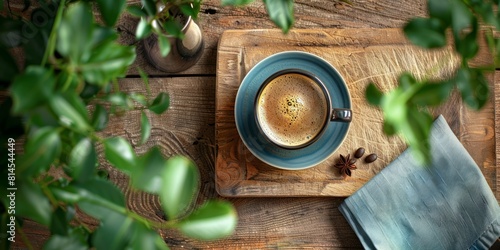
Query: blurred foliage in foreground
{"x": 406, "y": 108}
{"x": 59, "y": 100}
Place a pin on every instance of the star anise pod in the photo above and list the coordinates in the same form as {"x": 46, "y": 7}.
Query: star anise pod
{"x": 346, "y": 164}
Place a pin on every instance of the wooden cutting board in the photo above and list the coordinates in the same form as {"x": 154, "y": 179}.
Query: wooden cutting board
{"x": 361, "y": 56}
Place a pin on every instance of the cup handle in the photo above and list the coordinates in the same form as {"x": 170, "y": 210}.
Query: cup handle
{"x": 341, "y": 115}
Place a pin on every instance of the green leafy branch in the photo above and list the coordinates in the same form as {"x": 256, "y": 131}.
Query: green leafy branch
{"x": 72, "y": 66}
{"x": 159, "y": 18}
{"x": 406, "y": 108}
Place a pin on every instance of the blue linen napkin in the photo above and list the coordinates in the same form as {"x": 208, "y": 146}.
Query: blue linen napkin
{"x": 445, "y": 205}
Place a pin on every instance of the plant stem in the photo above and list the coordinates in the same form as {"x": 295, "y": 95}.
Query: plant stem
{"x": 145, "y": 79}
{"x": 165, "y": 225}
{"x": 49, "y": 195}
{"x": 51, "y": 45}
{"x": 67, "y": 83}
{"x": 116, "y": 87}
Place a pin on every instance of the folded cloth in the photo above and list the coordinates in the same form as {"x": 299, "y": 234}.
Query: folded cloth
{"x": 444, "y": 205}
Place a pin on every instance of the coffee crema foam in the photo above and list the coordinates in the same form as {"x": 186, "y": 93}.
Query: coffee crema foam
{"x": 292, "y": 109}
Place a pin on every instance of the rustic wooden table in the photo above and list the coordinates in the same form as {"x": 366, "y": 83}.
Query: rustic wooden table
{"x": 188, "y": 128}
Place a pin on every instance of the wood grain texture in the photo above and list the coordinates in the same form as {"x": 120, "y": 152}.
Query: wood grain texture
{"x": 214, "y": 19}
{"x": 188, "y": 128}
{"x": 361, "y": 56}
{"x": 310, "y": 223}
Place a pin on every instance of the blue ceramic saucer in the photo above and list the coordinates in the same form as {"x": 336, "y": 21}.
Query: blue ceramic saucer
{"x": 290, "y": 159}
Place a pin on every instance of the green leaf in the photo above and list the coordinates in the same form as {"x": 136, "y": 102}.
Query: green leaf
{"x": 473, "y": 86}
{"x": 70, "y": 213}
{"x": 281, "y": 13}
{"x": 408, "y": 120}
{"x": 119, "y": 153}
{"x": 100, "y": 118}
{"x": 425, "y": 32}
{"x": 67, "y": 194}
{"x": 38, "y": 32}
{"x": 111, "y": 10}
{"x": 67, "y": 81}
{"x": 165, "y": 45}
{"x": 89, "y": 91}
{"x": 145, "y": 177}
{"x": 43, "y": 117}
{"x": 144, "y": 29}
{"x": 389, "y": 129}
{"x": 417, "y": 130}
{"x": 440, "y": 9}
{"x": 122, "y": 232}
{"x": 466, "y": 43}
{"x": 103, "y": 35}
{"x": 432, "y": 94}
{"x": 83, "y": 159}
{"x": 139, "y": 98}
{"x": 41, "y": 150}
{"x": 120, "y": 99}
{"x": 115, "y": 232}
{"x": 394, "y": 105}
{"x": 145, "y": 128}
{"x": 69, "y": 111}
{"x": 75, "y": 32}
{"x": 160, "y": 103}
{"x": 144, "y": 238}
{"x": 77, "y": 103}
{"x": 107, "y": 62}
{"x": 485, "y": 10}
{"x": 213, "y": 220}
{"x": 406, "y": 81}
{"x": 180, "y": 186}
{"x": 59, "y": 224}
{"x": 59, "y": 242}
{"x": 173, "y": 28}
{"x": 149, "y": 6}
{"x": 32, "y": 89}
{"x": 190, "y": 9}
{"x": 31, "y": 203}
{"x": 136, "y": 11}
{"x": 236, "y": 2}
{"x": 80, "y": 233}
{"x": 461, "y": 16}
{"x": 196, "y": 8}
{"x": 34, "y": 48}
{"x": 373, "y": 95}
{"x": 9, "y": 67}
{"x": 100, "y": 198}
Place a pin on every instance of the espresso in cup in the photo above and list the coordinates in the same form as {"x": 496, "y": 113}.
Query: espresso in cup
{"x": 292, "y": 109}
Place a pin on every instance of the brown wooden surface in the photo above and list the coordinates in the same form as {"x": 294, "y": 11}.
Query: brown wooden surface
{"x": 361, "y": 56}
{"x": 189, "y": 128}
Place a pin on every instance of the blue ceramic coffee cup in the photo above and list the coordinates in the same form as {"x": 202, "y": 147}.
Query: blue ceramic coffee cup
{"x": 327, "y": 90}
{"x": 293, "y": 109}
